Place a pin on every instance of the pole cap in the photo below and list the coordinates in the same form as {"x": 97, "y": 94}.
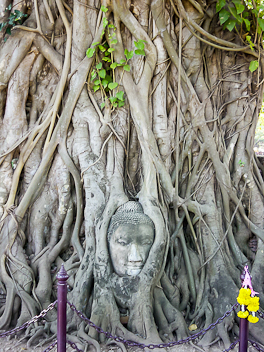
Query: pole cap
{"x": 62, "y": 274}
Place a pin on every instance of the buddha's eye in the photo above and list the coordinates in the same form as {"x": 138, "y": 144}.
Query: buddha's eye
{"x": 122, "y": 242}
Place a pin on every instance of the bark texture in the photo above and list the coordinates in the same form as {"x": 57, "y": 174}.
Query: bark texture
{"x": 181, "y": 145}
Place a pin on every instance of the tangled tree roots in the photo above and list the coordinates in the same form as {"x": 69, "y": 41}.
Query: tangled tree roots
{"x": 162, "y": 110}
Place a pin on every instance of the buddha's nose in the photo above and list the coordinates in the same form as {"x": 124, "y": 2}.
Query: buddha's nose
{"x": 134, "y": 254}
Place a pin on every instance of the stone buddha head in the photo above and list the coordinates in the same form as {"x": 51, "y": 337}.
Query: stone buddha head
{"x": 130, "y": 237}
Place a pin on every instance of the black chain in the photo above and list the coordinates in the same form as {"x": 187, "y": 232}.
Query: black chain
{"x": 50, "y": 347}
{"x": 233, "y": 344}
{"x": 260, "y": 314}
{"x": 74, "y": 346}
{"x": 256, "y": 345}
{"x": 152, "y": 346}
{"x": 29, "y": 322}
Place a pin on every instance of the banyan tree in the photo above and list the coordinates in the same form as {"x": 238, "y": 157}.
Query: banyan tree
{"x": 126, "y": 154}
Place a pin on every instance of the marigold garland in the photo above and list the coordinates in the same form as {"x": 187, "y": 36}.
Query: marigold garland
{"x": 252, "y": 319}
{"x": 248, "y": 304}
{"x": 243, "y": 315}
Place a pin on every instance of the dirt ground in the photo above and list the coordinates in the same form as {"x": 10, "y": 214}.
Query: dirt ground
{"x": 12, "y": 345}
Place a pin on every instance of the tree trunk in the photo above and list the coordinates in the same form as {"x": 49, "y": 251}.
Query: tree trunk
{"x": 144, "y": 112}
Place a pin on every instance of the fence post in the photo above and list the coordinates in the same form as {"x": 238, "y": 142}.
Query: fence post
{"x": 62, "y": 278}
{"x": 243, "y": 327}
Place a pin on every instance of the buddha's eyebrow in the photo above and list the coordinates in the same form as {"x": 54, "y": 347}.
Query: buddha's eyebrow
{"x": 122, "y": 236}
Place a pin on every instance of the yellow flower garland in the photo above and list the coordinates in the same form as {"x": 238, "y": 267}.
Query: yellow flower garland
{"x": 248, "y": 304}
{"x": 243, "y": 315}
{"x": 252, "y": 319}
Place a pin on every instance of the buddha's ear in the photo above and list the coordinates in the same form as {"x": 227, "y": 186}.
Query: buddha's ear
{"x": 156, "y": 260}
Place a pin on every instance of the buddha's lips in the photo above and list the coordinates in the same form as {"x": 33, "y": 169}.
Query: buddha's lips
{"x": 134, "y": 267}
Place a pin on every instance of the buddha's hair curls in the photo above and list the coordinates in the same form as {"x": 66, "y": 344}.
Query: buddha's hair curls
{"x": 128, "y": 213}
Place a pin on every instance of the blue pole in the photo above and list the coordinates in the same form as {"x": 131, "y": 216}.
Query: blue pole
{"x": 243, "y": 326}
{"x": 243, "y": 335}
{"x": 62, "y": 278}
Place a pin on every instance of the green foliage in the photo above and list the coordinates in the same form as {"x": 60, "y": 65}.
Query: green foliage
{"x": 259, "y": 135}
{"x": 253, "y": 65}
{"x": 246, "y": 18}
{"x": 104, "y": 9}
{"x": 104, "y": 59}
{"x": 15, "y": 18}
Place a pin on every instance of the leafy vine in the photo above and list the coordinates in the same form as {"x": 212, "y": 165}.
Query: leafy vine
{"x": 103, "y": 74}
{"x": 247, "y": 19}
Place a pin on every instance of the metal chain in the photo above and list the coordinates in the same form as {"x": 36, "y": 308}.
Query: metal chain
{"x": 29, "y": 322}
{"x": 256, "y": 345}
{"x": 233, "y": 344}
{"x": 74, "y": 346}
{"x": 50, "y": 347}
{"x": 152, "y": 346}
{"x": 260, "y": 314}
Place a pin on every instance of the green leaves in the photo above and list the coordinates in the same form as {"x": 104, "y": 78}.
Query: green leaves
{"x": 112, "y": 85}
{"x": 113, "y": 65}
{"x": 140, "y": 44}
{"x": 239, "y": 6}
{"x": 107, "y": 59}
{"x": 126, "y": 68}
{"x": 102, "y": 48}
{"x": 120, "y": 95}
{"x": 128, "y": 54}
{"x": 261, "y": 23}
{"x": 104, "y": 83}
{"x": 232, "y": 13}
{"x": 104, "y": 9}
{"x": 247, "y": 23}
{"x": 14, "y": 19}
{"x": 140, "y": 47}
{"x": 253, "y": 65}
{"x": 219, "y": 5}
{"x": 230, "y": 24}
{"x": 223, "y": 16}
{"x": 105, "y": 22}
{"x": 248, "y": 38}
{"x": 90, "y": 52}
{"x": 102, "y": 73}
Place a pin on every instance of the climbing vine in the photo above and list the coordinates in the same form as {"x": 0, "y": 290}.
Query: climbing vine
{"x": 103, "y": 76}
{"x": 152, "y": 102}
{"x": 246, "y": 18}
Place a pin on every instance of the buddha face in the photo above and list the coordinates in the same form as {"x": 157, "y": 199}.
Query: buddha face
{"x": 129, "y": 246}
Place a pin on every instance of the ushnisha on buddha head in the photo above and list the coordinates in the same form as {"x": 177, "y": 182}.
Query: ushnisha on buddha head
{"x": 130, "y": 237}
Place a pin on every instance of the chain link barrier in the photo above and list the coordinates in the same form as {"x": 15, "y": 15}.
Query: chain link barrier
{"x": 74, "y": 346}
{"x": 29, "y": 322}
{"x": 50, "y": 347}
{"x": 152, "y": 346}
{"x": 233, "y": 344}
{"x": 260, "y": 314}
{"x": 256, "y": 345}
{"x": 201, "y": 333}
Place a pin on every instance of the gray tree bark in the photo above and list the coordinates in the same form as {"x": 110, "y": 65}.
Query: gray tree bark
{"x": 181, "y": 145}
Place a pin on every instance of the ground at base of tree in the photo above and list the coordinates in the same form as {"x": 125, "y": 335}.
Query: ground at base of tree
{"x": 11, "y": 345}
